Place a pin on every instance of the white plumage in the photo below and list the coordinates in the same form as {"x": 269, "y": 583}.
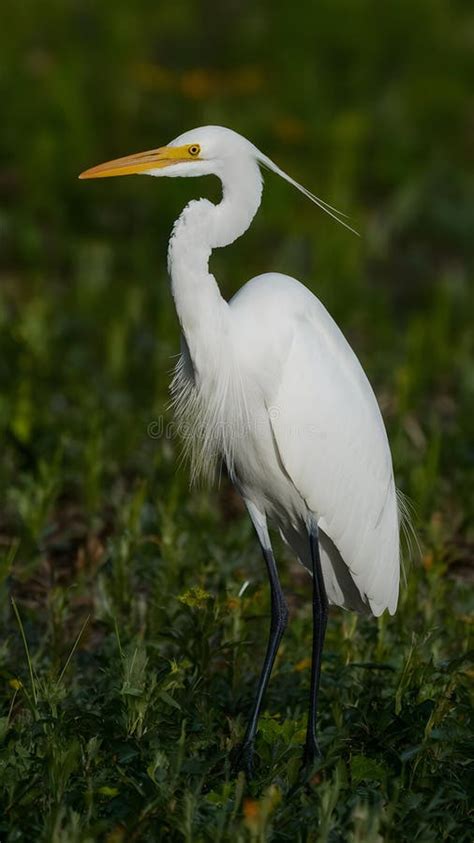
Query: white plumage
{"x": 295, "y": 416}
{"x": 268, "y": 383}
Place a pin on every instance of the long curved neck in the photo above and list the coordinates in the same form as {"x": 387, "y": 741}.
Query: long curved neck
{"x": 202, "y": 227}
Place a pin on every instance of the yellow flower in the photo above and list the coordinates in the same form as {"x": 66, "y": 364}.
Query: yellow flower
{"x": 195, "y": 598}
{"x": 304, "y": 664}
{"x": 428, "y": 561}
{"x": 105, "y": 790}
{"x": 251, "y": 814}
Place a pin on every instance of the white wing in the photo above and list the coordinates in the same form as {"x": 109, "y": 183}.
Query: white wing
{"x": 332, "y": 442}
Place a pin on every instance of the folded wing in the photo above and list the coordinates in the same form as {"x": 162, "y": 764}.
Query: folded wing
{"x": 332, "y": 443}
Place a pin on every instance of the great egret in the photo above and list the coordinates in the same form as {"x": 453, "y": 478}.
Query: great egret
{"x": 268, "y": 383}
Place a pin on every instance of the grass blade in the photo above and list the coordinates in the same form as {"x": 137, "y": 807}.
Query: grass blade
{"x": 28, "y": 659}
{"x": 73, "y": 650}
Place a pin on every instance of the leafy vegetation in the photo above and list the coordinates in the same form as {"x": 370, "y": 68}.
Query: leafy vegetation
{"x": 134, "y": 611}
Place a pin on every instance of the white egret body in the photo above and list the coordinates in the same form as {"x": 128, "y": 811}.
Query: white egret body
{"x": 268, "y": 383}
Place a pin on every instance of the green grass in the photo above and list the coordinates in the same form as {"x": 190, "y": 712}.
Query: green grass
{"x": 128, "y": 652}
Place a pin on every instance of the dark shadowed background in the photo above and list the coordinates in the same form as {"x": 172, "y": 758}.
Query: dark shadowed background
{"x": 130, "y": 651}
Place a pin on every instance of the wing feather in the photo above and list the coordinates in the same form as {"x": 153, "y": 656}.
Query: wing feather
{"x": 333, "y": 444}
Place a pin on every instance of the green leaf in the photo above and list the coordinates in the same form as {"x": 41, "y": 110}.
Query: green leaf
{"x": 363, "y": 768}
{"x": 167, "y": 698}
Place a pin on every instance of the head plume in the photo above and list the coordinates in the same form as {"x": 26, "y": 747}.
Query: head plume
{"x": 267, "y": 162}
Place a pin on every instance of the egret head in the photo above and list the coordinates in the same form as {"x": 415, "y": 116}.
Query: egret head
{"x": 209, "y": 150}
{"x": 198, "y": 152}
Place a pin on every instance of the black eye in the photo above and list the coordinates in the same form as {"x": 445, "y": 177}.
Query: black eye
{"x": 194, "y": 150}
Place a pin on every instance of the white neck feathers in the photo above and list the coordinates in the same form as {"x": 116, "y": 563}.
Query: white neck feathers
{"x": 201, "y": 228}
{"x": 207, "y": 376}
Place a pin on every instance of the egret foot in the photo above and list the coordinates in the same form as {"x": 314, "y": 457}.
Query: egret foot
{"x": 244, "y": 759}
{"x": 311, "y": 754}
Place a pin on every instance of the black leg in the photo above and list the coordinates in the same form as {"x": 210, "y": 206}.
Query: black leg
{"x": 320, "y": 615}
{"x": 279, "y": 621}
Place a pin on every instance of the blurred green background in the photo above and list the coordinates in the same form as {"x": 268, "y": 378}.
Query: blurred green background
{"x": 370, "y": 105}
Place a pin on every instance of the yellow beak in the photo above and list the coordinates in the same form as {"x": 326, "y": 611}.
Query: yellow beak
{"x": 154, "y": 159}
